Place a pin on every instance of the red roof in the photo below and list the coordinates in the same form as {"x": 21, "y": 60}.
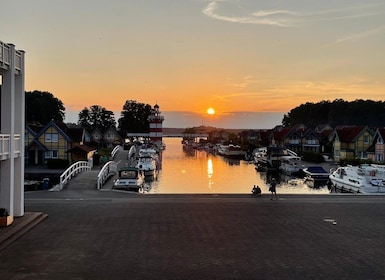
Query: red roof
{"x": 349, "y": 134}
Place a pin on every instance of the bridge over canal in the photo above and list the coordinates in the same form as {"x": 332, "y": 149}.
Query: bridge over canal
{"x": 81, "y": 177}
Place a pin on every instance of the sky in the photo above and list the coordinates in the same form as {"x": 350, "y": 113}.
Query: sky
{"x": 252, "y": 61}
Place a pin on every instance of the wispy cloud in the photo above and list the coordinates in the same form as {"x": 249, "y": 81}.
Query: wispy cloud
{"x": 244, "y": 83}
{"x": 286, "y": 18}
{"x": 362, "y": 35}
{"x": 260, "y": 17}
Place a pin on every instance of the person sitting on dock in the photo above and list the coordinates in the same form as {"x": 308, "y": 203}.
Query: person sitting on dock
{"x": 257, "y": 191}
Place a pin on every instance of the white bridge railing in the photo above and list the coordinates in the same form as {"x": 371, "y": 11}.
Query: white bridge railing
{"x": 108, "y": 170}
{"x": 5, "y": 146}
{"x": 115, "y": 150}
{"x": 71, "y": 171}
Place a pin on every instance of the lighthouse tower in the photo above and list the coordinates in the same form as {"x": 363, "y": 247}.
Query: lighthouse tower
{"x": 156, "y": 119}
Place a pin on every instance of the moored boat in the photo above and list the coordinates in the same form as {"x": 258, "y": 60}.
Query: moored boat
{"x": 130, "y": 178}
{"x": 231, "y": 151}
{"x": 362, "y": 179}
{"x": 291, "y": 165}
{"x": 147, "y": 164}
{"x": 316, "y": 173}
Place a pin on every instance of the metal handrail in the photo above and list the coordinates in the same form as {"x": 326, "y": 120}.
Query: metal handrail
{"x": 115, "y": 150}
{"x": 108, "y": 170}
{"x": 71, "y": 171}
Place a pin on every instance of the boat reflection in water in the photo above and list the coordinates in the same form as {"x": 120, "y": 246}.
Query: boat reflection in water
{"x": 198, "y": 171}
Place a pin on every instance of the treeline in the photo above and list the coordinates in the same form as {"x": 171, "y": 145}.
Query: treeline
{"x": 41, "y": 107}
{"x": 337, "y": 112}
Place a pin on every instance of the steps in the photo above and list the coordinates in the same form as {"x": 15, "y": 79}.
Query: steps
{"x": 20, "y": 226}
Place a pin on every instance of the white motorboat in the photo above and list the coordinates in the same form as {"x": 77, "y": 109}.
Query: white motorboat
{"x": 363, "y": 179}
{"x": 271, "y": 157}
{"x": 148, "y": 152}
{"x": 291, "y": 164}
{"x": 130, "y": 178}
{"x": 231, "y": 151}
{"x": 147, "y": 164}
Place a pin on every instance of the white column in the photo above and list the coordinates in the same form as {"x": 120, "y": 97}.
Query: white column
{"x": 19, "y": 129}
{"x": 8, "y": 127}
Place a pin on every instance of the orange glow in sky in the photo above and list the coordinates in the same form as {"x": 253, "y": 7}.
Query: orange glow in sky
{"x": 235, "y": 55}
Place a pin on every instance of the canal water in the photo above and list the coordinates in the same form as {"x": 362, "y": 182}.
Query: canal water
{"x": 199, "y": 172}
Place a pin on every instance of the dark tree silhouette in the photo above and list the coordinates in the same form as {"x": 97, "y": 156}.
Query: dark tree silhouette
{"x": 338, "y": 112}
{"x": 134, "y": 117}
{"x": 96, "y": 117}
{"x": 42, "y": 107}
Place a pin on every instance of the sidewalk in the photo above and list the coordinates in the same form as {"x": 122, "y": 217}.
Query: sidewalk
{"x": 109, "y": 235}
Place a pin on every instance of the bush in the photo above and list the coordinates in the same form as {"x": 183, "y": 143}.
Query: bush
{"x": 355, "y": 162}
{"x": 313, "y": 157}
{"x": 56, "y": 163}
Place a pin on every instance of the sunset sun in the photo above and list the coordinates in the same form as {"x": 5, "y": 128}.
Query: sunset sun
{"x": 210, "y": 111}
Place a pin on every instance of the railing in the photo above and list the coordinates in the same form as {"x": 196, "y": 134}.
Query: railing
{"x": 5, "y": 146}
{"x": 115, "y": 150}
{"x": 4, "y": 56}
{"x": 108, "y": 170}
{"x": 71, "y": 171}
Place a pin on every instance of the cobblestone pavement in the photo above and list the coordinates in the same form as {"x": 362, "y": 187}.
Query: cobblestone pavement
{"x": 109, "y": 235}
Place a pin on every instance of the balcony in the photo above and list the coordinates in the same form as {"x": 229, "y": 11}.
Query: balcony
{"x": 5, "y": 146}
{"x": 5, "y": 52}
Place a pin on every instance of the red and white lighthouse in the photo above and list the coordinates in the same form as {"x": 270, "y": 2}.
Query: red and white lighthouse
{"x": 156, "y": 119}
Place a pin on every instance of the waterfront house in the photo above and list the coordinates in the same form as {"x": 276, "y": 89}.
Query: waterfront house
{"x": 111, "y": 138}
{"x": 376, "y": 151}
{"x": 351, "y": 142}
{"x": 51, "y": 142}
{"x": 56, "y": 141}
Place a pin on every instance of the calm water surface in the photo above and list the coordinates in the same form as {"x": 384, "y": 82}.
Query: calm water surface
{"x": 197, "y": 171}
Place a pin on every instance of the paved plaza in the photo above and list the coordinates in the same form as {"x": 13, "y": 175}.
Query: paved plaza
{"x": 114, "y": 235}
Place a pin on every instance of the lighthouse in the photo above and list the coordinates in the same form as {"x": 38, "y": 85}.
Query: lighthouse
{"x": 156, "y": 119}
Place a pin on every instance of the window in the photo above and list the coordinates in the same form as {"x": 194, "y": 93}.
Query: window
{"x": 51, "y": 137}
{"x": 366, "y": 139}
{"x": 51, "y": 154}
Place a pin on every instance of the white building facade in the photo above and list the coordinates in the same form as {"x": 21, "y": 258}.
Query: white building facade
{"x": 12, "y": 130}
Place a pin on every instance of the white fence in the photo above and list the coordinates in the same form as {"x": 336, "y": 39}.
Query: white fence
{"x": 108, "y": 170}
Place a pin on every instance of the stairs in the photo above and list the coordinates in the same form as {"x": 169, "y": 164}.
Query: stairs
{"x": 19, "y": 226}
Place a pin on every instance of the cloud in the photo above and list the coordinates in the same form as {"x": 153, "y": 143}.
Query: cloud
{"x": 244, "y": 83}
{"x": 285, "y": 18}
{"x": 260, "y": 17}
{"x": 362, "y": 35}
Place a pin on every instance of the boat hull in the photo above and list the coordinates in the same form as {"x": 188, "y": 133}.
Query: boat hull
{"x": 359, "y": 179}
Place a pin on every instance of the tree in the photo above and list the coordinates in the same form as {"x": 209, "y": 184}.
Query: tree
{"x": 42, "y": 107}
{"x": 338, "y": 112}
{"x": 134, "y": 117}
{"x": 96, "y": 117}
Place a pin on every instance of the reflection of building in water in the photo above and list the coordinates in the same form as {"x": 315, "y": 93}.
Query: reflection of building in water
{"x": 210, "y": 172}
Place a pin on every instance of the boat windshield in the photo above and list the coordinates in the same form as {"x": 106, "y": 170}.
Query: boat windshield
{"x": 127, "y": 174}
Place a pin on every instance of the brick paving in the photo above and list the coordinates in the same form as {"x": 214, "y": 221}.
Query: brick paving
{"x": 110, "y": 235}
